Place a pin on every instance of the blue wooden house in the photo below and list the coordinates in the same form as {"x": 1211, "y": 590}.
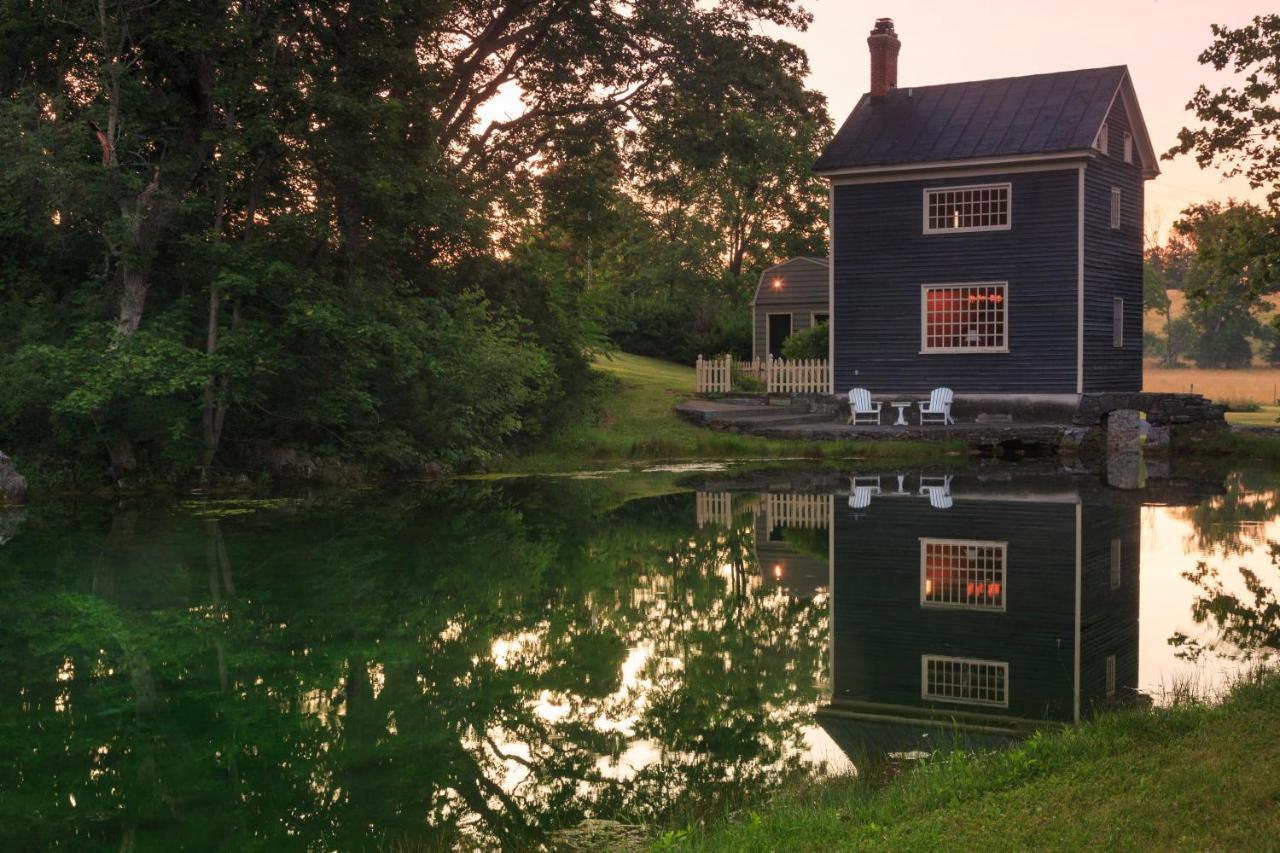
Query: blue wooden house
{"x": 987, "y": 236}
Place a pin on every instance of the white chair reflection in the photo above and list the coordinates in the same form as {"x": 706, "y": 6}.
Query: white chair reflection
{"x": 938, "y": 489}
{"x": 860, "y": 491}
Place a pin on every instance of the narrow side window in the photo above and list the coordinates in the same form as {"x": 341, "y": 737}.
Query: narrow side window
{"x": 1128, "y": 147}
{"x": 1115, "y": 207}
{"x": 1101, "y": 142}
{"x": 1117, "y": 322}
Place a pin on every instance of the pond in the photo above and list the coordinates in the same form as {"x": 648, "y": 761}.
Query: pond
{"x": 482, "y": 664}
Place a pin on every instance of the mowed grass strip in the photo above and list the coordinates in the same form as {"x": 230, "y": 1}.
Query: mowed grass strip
{"x": 1192, "y": 777}
{"x": 638, "y": 424}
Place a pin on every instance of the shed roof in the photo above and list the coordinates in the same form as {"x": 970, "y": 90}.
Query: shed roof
{"x": 1010, "y": 117}
{"x": 802, "y": 261}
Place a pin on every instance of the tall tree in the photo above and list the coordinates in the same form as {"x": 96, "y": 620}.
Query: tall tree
{"x": 1235, "y": 263}
{"x": 1241, "y": 123}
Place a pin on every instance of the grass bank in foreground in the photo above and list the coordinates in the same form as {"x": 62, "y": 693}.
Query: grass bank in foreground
{"x": 638, "y": 424}
{"x": 1189, "y": 777}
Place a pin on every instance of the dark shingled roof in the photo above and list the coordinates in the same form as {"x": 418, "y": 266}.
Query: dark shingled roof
{"x": 1039, "y": 114}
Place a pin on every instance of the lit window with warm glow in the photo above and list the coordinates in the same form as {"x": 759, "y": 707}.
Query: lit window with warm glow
{"x": 963, "y": 573}
{"x": 979, "y": 208}
{"x": 964, "y": 317}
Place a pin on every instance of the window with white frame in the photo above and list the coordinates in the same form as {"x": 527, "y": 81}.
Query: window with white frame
{"x": 1101, "y": 142}
{"x": 964, "y": 317}
{"x": 1128, "y": 147}
{"x": 1115, "y": 207}
{"x": 975, "y": 208}
{"x": 1117, "y": 322}
{"x": 964, "y": 680}
{"x": 964, "y": 574}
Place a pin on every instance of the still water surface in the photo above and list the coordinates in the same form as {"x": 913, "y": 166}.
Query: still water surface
{"x": 483, "y": 664}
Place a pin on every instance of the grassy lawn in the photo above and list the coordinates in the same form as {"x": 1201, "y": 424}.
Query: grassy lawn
{"x": 1265, "y": 416}
{"x": 1192, "y": 777}
{"x": 638, "y": 425}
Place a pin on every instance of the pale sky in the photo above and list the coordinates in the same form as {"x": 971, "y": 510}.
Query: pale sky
{"x": 946, "y": 42}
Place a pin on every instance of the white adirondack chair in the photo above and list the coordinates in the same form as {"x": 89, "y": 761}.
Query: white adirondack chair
{"x": 939, "y": 491}
{"x": 860, "y": 406}
{"x": 938, "y": 407}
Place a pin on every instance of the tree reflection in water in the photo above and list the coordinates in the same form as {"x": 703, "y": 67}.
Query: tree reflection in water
{"x": 1247, "y": 628}
{"x": 483, "y": 664}
{"x": 1246, "y": 622}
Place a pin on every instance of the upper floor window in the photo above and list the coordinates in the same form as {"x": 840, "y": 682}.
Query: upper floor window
{"x": 964, "y": 680}
{"x": 964, "y": 317}
{"x": 962, "y": 573}
{"x": 976, "y": 208}
{"x": 1101, "y": 142}
{"x": 1115, "y": 207}
{"x": 1117, "y": 322}
{"x": 1128, "y": 147}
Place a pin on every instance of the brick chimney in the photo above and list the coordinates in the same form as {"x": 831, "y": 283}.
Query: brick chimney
{"x": 884, "y": 45}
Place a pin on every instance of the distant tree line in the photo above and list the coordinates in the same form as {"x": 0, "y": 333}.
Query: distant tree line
{"x": 1224, "y": 260}
{"x": 233, "y": 229}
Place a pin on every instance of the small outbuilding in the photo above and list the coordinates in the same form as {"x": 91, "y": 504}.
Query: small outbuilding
{"x": 791, "y": 297}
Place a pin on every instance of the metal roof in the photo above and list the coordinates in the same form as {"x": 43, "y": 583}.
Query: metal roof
{"x": 1010, "y": 117}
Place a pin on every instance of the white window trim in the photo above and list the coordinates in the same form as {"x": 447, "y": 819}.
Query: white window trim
{"x": 924, "y": 318}
{"x": 1117, "y": 201}
{"x": 1103, "y": 133}
{"x": 960, "y": 605}
{"x": 1117, "y": 313}
{"x": 924, "y": 213}
{"x": 1128, "y": 147}
{"x": 987, "y": 703}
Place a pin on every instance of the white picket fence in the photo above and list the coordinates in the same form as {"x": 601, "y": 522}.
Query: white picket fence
{"x": 779, "y": 376}
{"x": 714, "y": 375}
{"x": 792, "y": 510}
{"x": 714, "y": 508}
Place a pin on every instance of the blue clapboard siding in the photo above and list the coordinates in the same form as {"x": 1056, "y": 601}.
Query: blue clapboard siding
{"x": 882, "y": 257}
{"x": 1109, "y": 617}
{"x": 1113, "y": 264}
{"x": 880, "y": 631}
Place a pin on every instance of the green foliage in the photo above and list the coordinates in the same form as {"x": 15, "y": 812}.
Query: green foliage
{"x": 1225, "y": 259}
{"x": 293, "y": 231}
{"x": 813, "y": 342}
{"x": 1240, "y": 124}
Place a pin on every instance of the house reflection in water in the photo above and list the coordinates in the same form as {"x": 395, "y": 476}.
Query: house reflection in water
{"x": 982, "y": 607}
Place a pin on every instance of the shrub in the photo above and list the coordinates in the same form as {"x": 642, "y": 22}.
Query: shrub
{"x": 810, "y": 343}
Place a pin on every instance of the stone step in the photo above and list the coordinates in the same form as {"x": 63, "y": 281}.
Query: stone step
{"x": 762, "y": 423}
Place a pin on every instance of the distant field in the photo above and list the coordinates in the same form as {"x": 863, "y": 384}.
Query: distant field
{"x": 1252, "y": 385}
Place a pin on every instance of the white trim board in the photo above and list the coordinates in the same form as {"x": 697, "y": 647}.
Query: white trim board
{"x": 831, "y": 287}
{"x": 1080, "y": 282}
{"x": 988, "y": 165}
